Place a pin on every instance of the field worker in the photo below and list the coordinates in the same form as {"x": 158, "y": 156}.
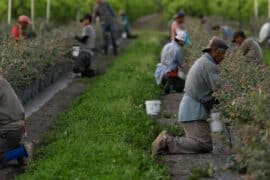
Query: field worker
{"x": 172, "y": 63}
{"x": 106, "y": 14}
{"x": 250, "y": 48}
{"x": 264, "y": 36}
{"x": 178, "y": 24}
{"x": 126, "y": 25}
{"x": 202, "y": 81}
{"x": 226, "y": 32}
{"x": 87, "y": 45}
{"x": 11, "y": 125}
{"x": 203, "y": 20}
{"x": 22, "y": 29}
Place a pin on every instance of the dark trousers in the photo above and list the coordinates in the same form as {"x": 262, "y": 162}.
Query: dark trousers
{"x": 82, "y": 63}
{"x": 173, "y": 83}
{"x": 10, "y": 140}
{"x": 109, "y": 30}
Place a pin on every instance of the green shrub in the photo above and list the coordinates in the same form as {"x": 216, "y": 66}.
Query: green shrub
{"x": 239, "y": 9}
{"x": 66, "y": 10}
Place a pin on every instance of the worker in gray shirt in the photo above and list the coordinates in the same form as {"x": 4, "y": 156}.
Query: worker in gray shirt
{"x": 12, "y": 128}
{"x": 249, "y": 47}
{"x": 106, "y": 14}
{"x": 87, "y": 44}
{"x": 202, "y": 81}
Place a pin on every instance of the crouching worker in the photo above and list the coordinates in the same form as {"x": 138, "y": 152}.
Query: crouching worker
{"x": 22, "y": 30}
{"x": 82, "y": 62}
{"x": 203, "y": 79}
{"x": 12, "y": 127}
{"x": 126, "y": 25}
{"x": 171, "y": 67}
{"x": 248, "y": 46}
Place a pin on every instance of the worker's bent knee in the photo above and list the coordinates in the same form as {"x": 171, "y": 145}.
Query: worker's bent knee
{"x": 206, "y": 148}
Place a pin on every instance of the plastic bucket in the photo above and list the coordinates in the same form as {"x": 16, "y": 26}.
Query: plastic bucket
{"x": 75, "y": 51}
{"x": 153, "y": 107}
{"x": 216, "y": 124}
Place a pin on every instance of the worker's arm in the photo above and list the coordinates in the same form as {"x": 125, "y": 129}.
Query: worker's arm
{"x": 214, "y": 79}
{"x": 111, "y": 10}
{"x": 179, "y": 59}
{"x": 95, "y": 14}
{"x": 83, "y": 39}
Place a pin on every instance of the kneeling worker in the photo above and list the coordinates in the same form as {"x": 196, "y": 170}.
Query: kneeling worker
{"x": 203, "y": 79}
{"x": 249, "y": 47}
{"x": 12, "y": 127}
{"x": 87, "y": 44}
{"x": 172, "y": 64}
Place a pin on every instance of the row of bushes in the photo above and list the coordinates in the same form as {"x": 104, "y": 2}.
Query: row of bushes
{"x": 237, "y": 10}
{"x": 66, "y": 10}
{"x": 244, "y": 103}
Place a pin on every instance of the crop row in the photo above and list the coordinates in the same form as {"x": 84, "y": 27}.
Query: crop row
{"x": 244, "y": 102}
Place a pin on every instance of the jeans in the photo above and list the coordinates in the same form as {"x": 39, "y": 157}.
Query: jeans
{"x": 108, "y": 29}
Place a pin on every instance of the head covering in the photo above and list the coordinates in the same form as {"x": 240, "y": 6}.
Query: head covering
{"x": 87, "y": 17}
{"x": 183, "y": 36}
{"x": 180, "y": 14}
{"x": 216, "y": 43}
{"x": 24, "y": 19}
{"x": 238, "y": 34}
{"x": 264, "y": 32}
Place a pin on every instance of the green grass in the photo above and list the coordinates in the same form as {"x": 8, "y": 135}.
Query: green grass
{"x": 106, "y": 133}
{"x": 266, "y": 56}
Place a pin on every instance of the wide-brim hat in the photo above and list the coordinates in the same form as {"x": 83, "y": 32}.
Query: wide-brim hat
{"x": 216, "y": 43}
{"x": 183, "y": 36}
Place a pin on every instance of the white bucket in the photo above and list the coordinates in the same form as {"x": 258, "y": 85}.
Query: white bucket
{"x": 216, "y": 124}
{"x": 75, "y": 51}
{"x": 181, "y": 74}
{"x": 153, "y": 107}
{"x": 124, "y": 35}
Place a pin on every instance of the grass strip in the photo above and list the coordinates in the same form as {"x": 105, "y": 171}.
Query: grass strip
{"x": 106, "y": 134}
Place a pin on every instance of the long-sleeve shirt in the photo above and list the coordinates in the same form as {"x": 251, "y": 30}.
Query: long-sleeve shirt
{"x": 171, "y": 59}
{"x": 11, "y": 110}
{"x": 105, "y": 12}
{"x": 89, "y": 45}
{"x": 202, "y": 80}
{"x": 252, "y": 49}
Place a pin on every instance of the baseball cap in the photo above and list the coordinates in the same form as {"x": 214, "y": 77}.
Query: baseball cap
{"x": 24, "y": 19}
{"x": 216, "y": 43}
